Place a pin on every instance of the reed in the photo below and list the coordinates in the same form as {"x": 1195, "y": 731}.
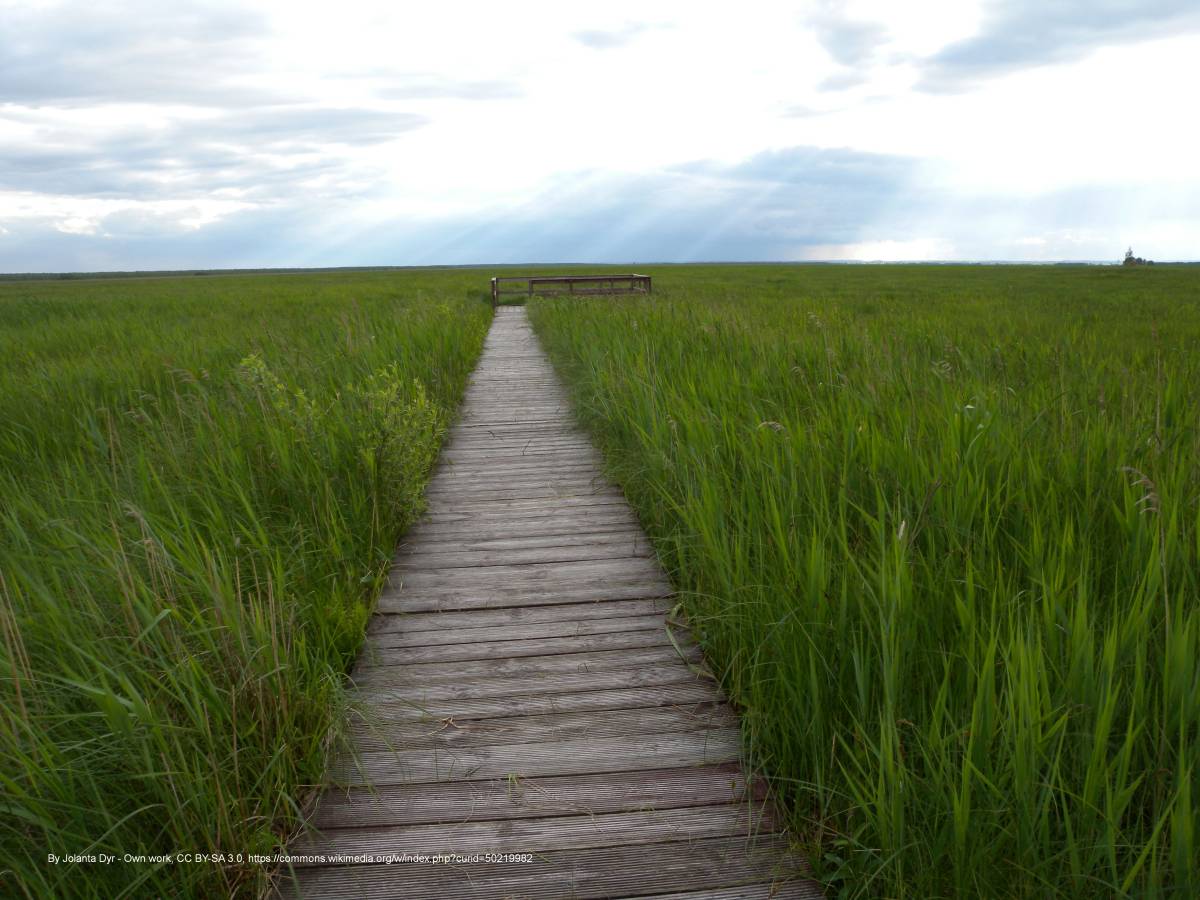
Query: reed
{"x": 937, "y": 528}
{"x": 202, "y": 482}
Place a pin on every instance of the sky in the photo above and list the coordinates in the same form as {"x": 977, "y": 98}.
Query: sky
{"x": 143, "y": 135}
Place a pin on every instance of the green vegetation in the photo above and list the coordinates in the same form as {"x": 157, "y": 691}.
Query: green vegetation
{"x": 938, "y": 528}
{"x": 202, "y": 481}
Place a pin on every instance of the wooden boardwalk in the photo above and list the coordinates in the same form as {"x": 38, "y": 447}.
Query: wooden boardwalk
{"x": 522, "y": 694}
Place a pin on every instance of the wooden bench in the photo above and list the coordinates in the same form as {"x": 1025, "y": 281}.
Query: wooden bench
{"x": 527, "y": 286}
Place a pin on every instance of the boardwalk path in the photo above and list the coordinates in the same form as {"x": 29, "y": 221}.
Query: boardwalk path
{"x": 529, "y": 698}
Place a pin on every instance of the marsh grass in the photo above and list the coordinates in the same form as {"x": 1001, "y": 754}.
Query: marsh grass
{"x": 938, "y": 529}
{"x": 201, "y": 485}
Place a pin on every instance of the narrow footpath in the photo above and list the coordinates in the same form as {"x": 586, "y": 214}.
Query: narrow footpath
{"x": 524, "y": 693}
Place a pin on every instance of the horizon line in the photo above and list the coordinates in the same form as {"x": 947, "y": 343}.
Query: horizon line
{"x": 115, "y": 273}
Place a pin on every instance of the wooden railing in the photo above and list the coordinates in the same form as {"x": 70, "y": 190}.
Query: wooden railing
{"x": 569, "y": 284}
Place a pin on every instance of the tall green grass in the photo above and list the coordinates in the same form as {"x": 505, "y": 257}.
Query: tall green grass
{"x": 939, "y": 530}
{"x": 201, "y": 484}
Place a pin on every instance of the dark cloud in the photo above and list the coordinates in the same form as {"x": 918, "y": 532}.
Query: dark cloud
{"x": 1117, "y": 208}
{"x": 608, "y": 40}
{"x": 144, "y": 241}
{"x": 140, "y": 51}
{"x": 260, "y": 152}
{"x": 196, "y": 54}
{"x": 1019, "y": 34}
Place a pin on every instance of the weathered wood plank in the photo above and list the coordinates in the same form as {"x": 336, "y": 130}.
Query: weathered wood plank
{"x": 514, "y": 466}
{"x": 606, "y": 792}
{"x": 622, "y": 547}
{"x": 519, "y": 632}
{"x": 551, "y": 833}
{"x": 433, "y": 600}
{"x": 516, "y": 615}
{"x": 367, "y": 736}
{"x": 539, "y": 505}
{"x": 508, "y": 546}
{"x": 482, "y": 451}
{"x": 517, "y": 472}
{"x": 517, "y": 429}
{"x": 526, "y": 666}
{"x": 547, "y": 418}
{"x": 482, "y": 444}
{"x": 531, "y": 529}
{"x": 528, "y": 449}
{"x": 481, "y": 470}
{"x": 503, "y": 386}
{"x": 588, "y": 483}
{"x": 578, "y": 461}
{"x": 532, "y": 489}
{"x": 522, "y": 575}
{"x": 393, "y": 685}
{"x": 497, "y": 434}
{"x": 527, "y": 524}
{"x": 489, "y": 459}
{"x": 474, "y": 410}
{"x": 533, "y": 703}
{"x": 580, "y": 756}
{"x": 548, "y": 491}
{"x": 799, "y": 889}
{"x": 444, "y": 653}
{"x": 567, "y": 509}
{"x": 603, "y": 872}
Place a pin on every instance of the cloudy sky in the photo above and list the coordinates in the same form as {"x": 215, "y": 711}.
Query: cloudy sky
{"x": 146, "y": 135}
